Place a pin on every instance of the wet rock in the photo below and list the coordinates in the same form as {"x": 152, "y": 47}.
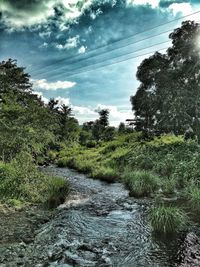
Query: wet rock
{"x": 191, "y": 252}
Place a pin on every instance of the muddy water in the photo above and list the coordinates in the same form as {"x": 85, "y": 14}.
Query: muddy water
{"x": 99, "y": 225}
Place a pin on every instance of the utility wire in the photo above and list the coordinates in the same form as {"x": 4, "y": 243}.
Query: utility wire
{"x": 110, "y": 64}
{"x": 107, "y": 52}
{"x": 115, "y": 57}
{"x": 123, "y": 39}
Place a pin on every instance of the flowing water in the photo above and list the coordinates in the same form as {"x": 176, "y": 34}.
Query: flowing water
{"x": 99, "y": 225}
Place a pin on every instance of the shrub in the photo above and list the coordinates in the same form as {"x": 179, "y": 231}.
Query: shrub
{"x": 56, "y": 192}
{"x": 21, "y": 181}
{"x": 141, "y": 183}
{"x": 193, "y": 195}
{"x": 168, "y": 186}
{"x": 106, "y": 174}
{"x": 14, "y": 202}
{"x": 65, "y": 162}
{"x": 52, "y": 155}
{"x": 167, "y": 219}
{"x": 83, "y": 165}
{"x": 91, "y": 144}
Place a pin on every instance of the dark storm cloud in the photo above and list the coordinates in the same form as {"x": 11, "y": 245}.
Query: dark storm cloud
{"x": 29, "y": 5}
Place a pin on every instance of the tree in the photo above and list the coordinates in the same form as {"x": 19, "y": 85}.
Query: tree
{"x": 103, "y": 117}
{"x": 26, "y": 123}
{"x": 168, "y": 98}
{"x": 122, "y": 128}
{"x": 109, "y": 133}
{"x": 69, "y": 127}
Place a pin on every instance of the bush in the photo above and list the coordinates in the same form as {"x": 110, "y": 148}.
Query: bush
{"x": 57, "y": 191}
{"x": 193, "y": 195}
{"x": 52, "y": 155}
{"x": 21, "y": 181}
{"x": 65, "y": 162}
{"x": 14, "y": 202}
{"x": 106, "y": 174}
{"x": 167, "y": 219}
{"x": 91, "y": 144}
{"x": 168, "y": 186}
{"x": 83, "y": 165}
{"x": 141, "y": 183}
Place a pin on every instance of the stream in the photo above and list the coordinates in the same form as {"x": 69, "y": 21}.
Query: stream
{"x": 98, "y": 225}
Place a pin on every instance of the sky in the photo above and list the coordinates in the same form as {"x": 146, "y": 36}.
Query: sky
{"x": 85, "y": 53}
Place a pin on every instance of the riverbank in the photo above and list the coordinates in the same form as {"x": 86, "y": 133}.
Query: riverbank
{"x": 98, "y": 225}
{"x": 164, "y": 168}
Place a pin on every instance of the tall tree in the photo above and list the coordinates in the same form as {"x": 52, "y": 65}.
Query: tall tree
{"x": 168, "y": 98}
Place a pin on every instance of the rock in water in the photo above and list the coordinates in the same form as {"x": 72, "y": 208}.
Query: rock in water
{"x": 191, "y": 252}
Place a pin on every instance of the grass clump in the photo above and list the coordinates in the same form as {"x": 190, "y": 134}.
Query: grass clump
{"x": 22, "y": 182}
{"x": 193, "y": 195}
{"x": 106, "y": 174}
{"x": 167, "y": 219}
{"x": 56, "y": 192}
{"x": 141, "y": 183}
{"x": 168, "y": 186}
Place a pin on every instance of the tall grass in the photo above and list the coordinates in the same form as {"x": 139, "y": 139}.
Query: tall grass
{"x": 167, "y": 219}
{"x": 105, "y": 173}
{"x": 193, "y": 195}
{"x": 21, "y": 181}
{"x": 141, "y": 183}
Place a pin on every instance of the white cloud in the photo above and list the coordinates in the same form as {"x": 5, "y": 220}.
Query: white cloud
{"x": 62, "y": 101}
{"x": 85, "y": 113}
{"x": 184, "y": 8}
{"x": 153, "y": 3}
{"x": 116, "y": 115}
{"x": 44, "y": 45}
{"x": 39, "y": 94}
{"x": 43, "y": 84}
{"x": 70, "y": 43}
{"x": 80, "y": 110}
{"x": 82, "y": 50}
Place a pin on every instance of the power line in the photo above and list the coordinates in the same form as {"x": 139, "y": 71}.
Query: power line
{"x": 102, "y": 61}
{"x": 123, "y": 39}
{"x": 114, "y": 49}
{"x": 113, "y": 63}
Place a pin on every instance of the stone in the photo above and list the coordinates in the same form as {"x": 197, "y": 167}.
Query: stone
{"x": 191, "y": 251}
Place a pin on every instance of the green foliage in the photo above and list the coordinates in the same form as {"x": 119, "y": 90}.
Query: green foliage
{"x": 56, "y": 191}
{"x": 22, "y": 181}
{"x": 141, "y": 183}
{"x": 91, "y": 144}
{"x": 160, "y": 107}
{"x": 52, "y": 155}
{"x": 14, "y": 202}
{"x": 122, "y": 128}
{"x": 105, "y": 173}
{"x": 168, "y": 186}
{"x": 85, "y": 137}
{"x": 167, "y": 220}
{"x": 193, "y": 195}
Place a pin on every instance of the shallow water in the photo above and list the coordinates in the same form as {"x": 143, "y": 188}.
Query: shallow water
{"x": 99, "y": 225}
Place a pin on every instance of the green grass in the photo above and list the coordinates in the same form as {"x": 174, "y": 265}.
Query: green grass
{"x": 167, "y": 220}
{"x": 168, "y": 186}
{"x": 193, "y": 195}
{"x": 22, "y": 182}
{"x": 57, "y": 191}
{"x": 105, "y": 173}
{"x": 167, "y": 162}
{"x": 141, "y": 183}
